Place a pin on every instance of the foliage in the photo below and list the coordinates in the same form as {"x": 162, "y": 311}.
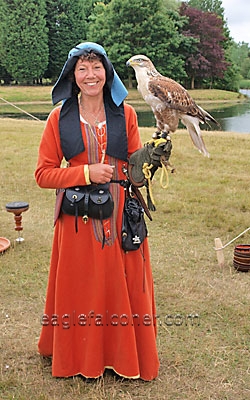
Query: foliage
{"x": 231, "y": 76}
{"x": 212, "y": 6}
{"x": 171, "y": 4}
{"x": 126, "y": 28}
{"x": 215, "y": 7}
{"x": 5, "y": 76}
{"x": 66, "y": 28}
{"x": 24, "y": 47}
{"x": 240, "y": 54}
{"x": 238, "y": 59}
{"x": 208, "y": 61}
{"x": 44, "y": 31}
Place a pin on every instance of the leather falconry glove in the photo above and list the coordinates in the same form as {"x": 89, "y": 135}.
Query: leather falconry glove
{"x": 144, "y": 162}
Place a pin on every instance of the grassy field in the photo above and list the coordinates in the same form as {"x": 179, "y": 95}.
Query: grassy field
{"x": 202, "y": 358}
{"x": 22, "y": 94}
{"x": 37, "y": 99}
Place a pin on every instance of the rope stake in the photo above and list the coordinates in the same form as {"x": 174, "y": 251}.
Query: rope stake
{"x": 231, "y": 241}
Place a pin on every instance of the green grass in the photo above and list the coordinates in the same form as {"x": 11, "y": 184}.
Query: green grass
{"x": 43, "y": 94}
{"x": 26, "y": 93}
{"x": 205, "y": 199}
{"x": 37, "y": 99}
{"x": 245, "y": 84}
{"x": 199, "y": 95}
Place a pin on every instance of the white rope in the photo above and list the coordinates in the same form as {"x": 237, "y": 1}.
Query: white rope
{"x": 231, "y": 241}
{"x": 13, "y": 105}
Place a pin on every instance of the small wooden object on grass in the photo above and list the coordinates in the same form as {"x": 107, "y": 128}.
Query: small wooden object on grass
{"x": 17, "y": 208}
{"x": 219, "y": 252}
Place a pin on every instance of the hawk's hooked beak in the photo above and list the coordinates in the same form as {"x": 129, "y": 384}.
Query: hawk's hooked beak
{"x": 138, "y": 60}
{"x": 131, "y": 63}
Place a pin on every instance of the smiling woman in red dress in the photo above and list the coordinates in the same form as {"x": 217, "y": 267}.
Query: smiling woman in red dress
{"x": 100, "y": 311}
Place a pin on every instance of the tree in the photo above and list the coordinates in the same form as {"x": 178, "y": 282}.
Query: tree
{"x": 24, "y": 40}
{"x": 212, "y": 6}
{"x": 126, "y": 28}
{"x": 215, "y": 7}
{"x": 230, "y": 81}
{"x": 5, "y": 76}
{"x": 67, "y": 27}
{"x": 240, "y": 54}
{"x": 208, "y": 61}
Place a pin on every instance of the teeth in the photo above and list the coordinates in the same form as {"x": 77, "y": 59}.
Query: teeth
{"x": 92, "y": 84}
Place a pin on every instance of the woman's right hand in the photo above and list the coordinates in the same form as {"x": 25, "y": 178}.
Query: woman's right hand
{"x": 100, "y": 173}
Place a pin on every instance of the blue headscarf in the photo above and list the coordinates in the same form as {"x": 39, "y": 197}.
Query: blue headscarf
{"x": 63, "y": 87}
{"x": 69, "y": 121}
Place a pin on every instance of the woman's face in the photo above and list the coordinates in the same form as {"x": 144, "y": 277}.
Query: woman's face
{"x": 90, "y": 77}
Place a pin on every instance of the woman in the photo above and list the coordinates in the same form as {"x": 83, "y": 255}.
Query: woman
{"x": 99, "y": 310}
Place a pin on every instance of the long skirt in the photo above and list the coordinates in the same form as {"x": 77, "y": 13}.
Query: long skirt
{"x": 100, "y": 310}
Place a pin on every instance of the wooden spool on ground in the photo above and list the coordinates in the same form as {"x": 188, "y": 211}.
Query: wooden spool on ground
{"x": 17, "y": 208}
{"x": 241, "y": 259}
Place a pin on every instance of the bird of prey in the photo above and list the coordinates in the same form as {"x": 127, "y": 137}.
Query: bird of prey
{"x": 169, "y": 101}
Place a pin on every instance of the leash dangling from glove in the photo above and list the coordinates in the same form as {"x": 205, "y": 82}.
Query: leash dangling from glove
{"x": 144, "y": 162}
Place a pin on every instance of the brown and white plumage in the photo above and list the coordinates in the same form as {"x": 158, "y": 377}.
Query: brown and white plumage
{"x": 169, "y": 101}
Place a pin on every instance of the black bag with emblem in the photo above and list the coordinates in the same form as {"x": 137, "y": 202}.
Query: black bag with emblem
{"x": 91, "y": 201}
{"x": 134, "y": 229}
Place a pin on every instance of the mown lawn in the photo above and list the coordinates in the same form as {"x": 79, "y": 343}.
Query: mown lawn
{"x": 203, "y": 323}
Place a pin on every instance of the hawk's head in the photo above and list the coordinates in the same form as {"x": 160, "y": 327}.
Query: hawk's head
{"x": 139, "y": 61}
{"x": 142, "y": 65}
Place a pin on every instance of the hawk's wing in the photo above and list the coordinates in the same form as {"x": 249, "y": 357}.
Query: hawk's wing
{"x": 169, "y": 101}
{"x": 178, "y": 105}
{"x": 173, "y": 96}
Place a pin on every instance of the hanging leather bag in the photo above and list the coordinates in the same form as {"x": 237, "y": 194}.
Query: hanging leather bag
{"x": 134, "y": 229}
{"x": 91, "y": 201}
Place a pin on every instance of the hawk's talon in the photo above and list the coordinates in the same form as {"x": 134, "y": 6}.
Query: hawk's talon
{"x": 156, "y": 135}
{"x": 164, "y": 135}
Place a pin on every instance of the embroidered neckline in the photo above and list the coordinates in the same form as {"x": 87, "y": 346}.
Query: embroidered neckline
{"x": 100, "y": 125}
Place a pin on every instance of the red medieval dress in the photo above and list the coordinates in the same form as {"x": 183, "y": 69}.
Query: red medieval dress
{"x": 100, "y": 311}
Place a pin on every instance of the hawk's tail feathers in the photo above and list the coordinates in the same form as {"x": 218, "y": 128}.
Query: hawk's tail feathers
{"x": 208, "y": 117}
{"x": 192, "y": 125}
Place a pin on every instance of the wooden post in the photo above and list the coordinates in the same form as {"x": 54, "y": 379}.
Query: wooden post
{"x": 219, "y": 252}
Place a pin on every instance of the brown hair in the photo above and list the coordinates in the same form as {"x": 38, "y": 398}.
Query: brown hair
{"x": 91, "y": 56}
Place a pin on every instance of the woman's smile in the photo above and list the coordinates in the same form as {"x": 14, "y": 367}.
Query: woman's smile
{"x": 90, "y": 76}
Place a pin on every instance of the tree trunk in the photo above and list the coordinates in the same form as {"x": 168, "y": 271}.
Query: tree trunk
{"x": 192, "y": 82}
{"x": 130, "y": 82}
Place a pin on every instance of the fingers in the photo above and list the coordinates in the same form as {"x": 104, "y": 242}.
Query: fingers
{"x": 101, "y": 173}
